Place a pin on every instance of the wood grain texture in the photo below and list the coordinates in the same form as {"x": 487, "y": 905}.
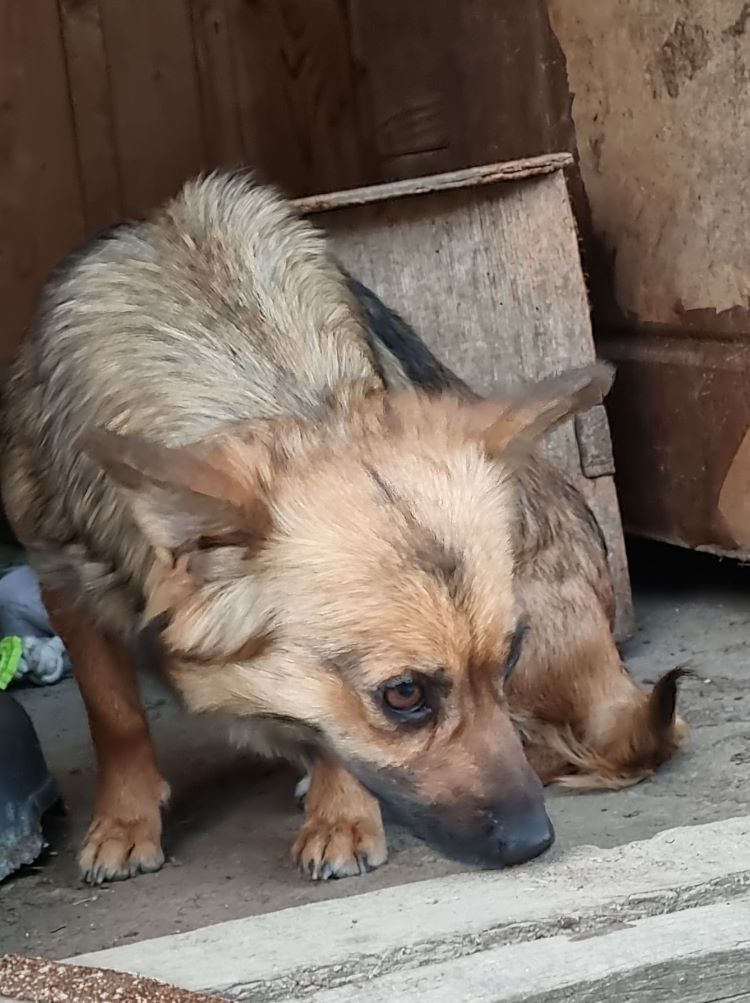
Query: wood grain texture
{"x": 734, "y": 496}
{"x": 661, "y": 110}
{"x": 411, "y": 65}
{"x": 297, "y": 94}
{"x": 213, "y": 28}
{"x": 490, "y": 277}
{"x": 317, "y": 95}
{"x": 514, "y": 98}
{"x": 461, "y": 82}
{"x": 680, "y": 410}
{"x": 91, "y": 103}
{"x": 156, "y": 108}
{"x": 41, "y": 213}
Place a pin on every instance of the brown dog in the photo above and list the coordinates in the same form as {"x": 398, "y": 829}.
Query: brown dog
{"x": 205, "y": 435}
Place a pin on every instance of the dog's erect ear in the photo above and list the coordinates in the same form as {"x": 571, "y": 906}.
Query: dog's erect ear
{"x": 518, "y": 421}
{"x": 210, "y": 493}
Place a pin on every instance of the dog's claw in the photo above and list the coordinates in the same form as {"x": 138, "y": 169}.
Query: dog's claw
{"x": 115, "y": 850}
{"x": 326, "y": 851}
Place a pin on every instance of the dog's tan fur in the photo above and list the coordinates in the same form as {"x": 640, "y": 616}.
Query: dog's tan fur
{"x": 203, "y": 434}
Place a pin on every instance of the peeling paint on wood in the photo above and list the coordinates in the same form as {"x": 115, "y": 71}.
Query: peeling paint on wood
{"x": 660, "y": 104}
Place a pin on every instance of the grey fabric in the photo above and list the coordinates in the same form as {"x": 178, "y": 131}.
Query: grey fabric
{"x": 22, "y": 611}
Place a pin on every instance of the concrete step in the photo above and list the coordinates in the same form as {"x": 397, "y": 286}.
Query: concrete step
{"x": 669, "y": 915}
{"x": 699, "y": 955}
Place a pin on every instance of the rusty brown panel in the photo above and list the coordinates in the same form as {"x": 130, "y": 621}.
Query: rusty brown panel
{"x": 302, "y": 121}
{"x": 679, "y": 413}
{"x": 734, "y": 323}
{"x": 41, "y": 215}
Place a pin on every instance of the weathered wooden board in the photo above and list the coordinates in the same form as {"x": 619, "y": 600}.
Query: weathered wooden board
{"x": 484, "y": 264}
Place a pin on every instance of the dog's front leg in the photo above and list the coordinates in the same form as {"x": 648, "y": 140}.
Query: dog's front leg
{"x": 342, "y": 834}
{"x": 124, "y": 838}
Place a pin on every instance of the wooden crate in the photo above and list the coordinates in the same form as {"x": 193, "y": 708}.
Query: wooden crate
{"x": 484, "y": 264}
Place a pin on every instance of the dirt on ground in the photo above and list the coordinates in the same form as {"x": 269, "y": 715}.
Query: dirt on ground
{"x": 232, "y": 821}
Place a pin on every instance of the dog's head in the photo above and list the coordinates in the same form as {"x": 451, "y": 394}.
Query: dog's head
{"x": 355, "y": 574}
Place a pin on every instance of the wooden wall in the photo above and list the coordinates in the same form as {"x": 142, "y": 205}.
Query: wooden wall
{"x": 106, "y": 106}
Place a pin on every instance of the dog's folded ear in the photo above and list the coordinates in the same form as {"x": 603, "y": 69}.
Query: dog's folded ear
{"x": 514, "y": 424}
{"x": 207, "y": 494}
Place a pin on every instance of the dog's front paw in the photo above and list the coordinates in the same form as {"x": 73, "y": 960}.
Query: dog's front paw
{"x": 115, "y": 849}
{"x": 340, "y": 849}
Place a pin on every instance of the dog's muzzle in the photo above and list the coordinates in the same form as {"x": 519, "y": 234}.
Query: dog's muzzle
{"x": 508, "y": 828}
{"x": 516, "y": 836}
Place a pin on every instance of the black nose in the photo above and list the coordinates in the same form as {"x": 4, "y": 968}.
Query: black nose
{"x": 517, "y": 839}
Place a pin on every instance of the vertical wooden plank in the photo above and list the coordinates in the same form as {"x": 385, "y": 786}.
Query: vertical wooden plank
{"x": 212, "y": 32}
{"x": 409, "y": 57}
{"x": 40, "y": 201}
{"x": 301, "y": 122}
{"x": 462, "y": 82}
{"x": 157, "y": 113}
{"x": 91, "y": 101}
{"x": 514, "y": 96}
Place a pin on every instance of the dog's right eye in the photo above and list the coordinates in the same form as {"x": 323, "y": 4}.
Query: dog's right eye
{"x": 406, "y": 696}
{"x": 406, "y": 699}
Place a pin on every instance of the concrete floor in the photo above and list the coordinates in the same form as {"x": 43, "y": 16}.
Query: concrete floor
{"x": 231, "y": 825}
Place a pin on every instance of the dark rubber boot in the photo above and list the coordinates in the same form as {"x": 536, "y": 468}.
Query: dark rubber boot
{"x": 27, "y": 790}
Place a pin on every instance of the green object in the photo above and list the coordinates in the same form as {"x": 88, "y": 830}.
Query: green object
{"x": 11, "y": 652}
